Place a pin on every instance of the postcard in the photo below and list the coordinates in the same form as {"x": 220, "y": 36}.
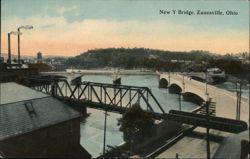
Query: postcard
{"x": 124, "y": 78}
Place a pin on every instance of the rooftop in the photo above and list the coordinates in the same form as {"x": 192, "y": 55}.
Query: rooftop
{"x": 26, "y": 110}
{"x": 231, "y": 146}
{"x": 12, "y": 92}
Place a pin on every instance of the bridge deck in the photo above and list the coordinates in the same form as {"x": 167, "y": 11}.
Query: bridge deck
{"x": 225, "y": 101}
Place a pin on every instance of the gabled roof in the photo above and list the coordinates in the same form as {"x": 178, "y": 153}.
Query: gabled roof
{"x": 32, "y": 113}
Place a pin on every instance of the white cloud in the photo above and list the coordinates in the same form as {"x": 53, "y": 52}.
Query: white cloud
{"x": 62, "y": 10}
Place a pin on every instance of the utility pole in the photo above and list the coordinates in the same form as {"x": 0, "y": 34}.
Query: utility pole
{"x": 206, "y": 82}
{"x": 104, "y": 136}
{"x": 207, "y": 130}
{"x": 239, "y": 102}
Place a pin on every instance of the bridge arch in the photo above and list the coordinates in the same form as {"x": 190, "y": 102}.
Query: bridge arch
{"x": 163, "y": 83}
{"x": 192, "y": 97}
{"x": 174, "y": 88}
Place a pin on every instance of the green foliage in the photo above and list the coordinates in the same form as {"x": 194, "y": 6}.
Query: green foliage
{"x": 135, "y": 58}
{"x": 230, "y": 66}
{"x": 135, "y": 120}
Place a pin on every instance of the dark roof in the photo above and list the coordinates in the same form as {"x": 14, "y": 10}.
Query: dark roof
{"x": 16, "y": 118}
{"x": 231, "y": 146}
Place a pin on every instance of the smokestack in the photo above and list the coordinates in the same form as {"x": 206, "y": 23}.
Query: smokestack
{"x": 18, "y": 46}
{"x": 9, "y": 47}
{"x": 9, "y": 50}
{"x": 18, "y": 40}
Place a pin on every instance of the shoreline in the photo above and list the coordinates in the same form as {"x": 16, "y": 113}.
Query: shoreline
{"x": 101, "y": 72}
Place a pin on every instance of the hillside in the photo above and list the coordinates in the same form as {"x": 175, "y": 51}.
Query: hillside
{"x": 134, "y": 57}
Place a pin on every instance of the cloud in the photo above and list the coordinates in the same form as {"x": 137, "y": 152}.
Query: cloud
{"x": 55, "y": 35}
{"x": 62, "y": 10}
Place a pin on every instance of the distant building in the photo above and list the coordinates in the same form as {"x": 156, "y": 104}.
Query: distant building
{"x": 34, "y": 124}
{"x": 41, "y": 67}
{"x": 153, "y": 56}
{"x": 1, "y": 60}
{"x": 60, "y": 67}
{"x": 39, "y": 57}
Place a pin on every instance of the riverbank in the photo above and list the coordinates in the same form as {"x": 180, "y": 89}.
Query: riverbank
{"x": 70, "y": 72}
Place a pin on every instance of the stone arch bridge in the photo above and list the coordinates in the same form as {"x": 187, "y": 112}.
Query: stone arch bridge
{"x": 198, "y": 92}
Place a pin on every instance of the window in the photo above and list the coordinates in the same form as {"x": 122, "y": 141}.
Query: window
{"x": 29, "y": 107}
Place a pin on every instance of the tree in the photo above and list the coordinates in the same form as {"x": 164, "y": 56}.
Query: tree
{"x": 135, "y": 120}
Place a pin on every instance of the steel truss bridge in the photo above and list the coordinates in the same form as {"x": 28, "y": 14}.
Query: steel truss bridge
{"x": 118, "y": 98}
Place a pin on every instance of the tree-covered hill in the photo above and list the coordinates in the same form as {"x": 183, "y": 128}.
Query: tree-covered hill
{"x": 130, "y": 58}
{"x": 134, "y": 58}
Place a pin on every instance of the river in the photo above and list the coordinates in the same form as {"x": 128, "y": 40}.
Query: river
{"x": 92, "y": 128}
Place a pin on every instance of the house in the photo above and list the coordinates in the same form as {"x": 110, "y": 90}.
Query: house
{"x": 34, "y": 124}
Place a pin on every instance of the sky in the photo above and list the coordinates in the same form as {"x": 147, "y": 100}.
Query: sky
{"x": 71, "y": 27}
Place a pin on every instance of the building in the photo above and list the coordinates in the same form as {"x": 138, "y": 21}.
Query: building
{"x": 39, "y": 57}
{"x": 34, "y": 124}
{"x": 234, "y": 146}
{"x": 15, "y": 75}
{"x": 41, "y": 67}
{"x": 1, "y": 60}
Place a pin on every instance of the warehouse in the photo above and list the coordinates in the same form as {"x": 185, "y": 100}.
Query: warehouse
{"x": 34, "y": 124}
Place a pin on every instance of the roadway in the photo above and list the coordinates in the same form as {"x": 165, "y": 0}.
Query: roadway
{"x": 225, "y": 101}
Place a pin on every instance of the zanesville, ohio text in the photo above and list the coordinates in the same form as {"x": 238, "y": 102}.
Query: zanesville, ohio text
{"x": 197, "y": 12}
